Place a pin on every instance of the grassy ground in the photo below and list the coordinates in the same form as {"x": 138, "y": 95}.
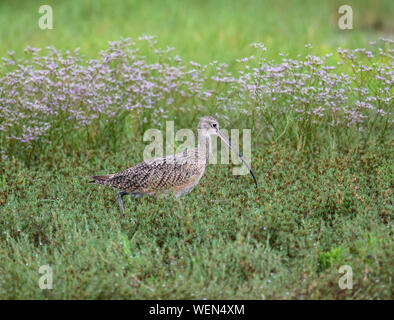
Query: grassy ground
{"x": 315, "y": 209}
{"x": 226, "y": 239}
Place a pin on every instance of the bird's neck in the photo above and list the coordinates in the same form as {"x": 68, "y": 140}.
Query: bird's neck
{"x": 204, "y": 147}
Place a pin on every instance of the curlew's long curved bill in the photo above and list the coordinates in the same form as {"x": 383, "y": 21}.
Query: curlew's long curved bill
{"x": 221, "y": 136}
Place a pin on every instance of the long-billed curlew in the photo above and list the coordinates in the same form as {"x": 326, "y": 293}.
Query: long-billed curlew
{"x": 179, "y": 173}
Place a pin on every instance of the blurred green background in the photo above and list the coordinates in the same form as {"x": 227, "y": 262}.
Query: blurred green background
{"x": 199, "y": 30}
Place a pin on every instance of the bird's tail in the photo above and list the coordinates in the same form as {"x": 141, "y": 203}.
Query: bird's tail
{"x": 100, "y": 179}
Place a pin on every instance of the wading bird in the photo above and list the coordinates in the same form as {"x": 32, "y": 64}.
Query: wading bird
{"x": 178, "y": 173}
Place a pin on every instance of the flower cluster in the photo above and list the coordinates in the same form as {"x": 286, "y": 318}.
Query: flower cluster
{"x": 44, "y": 95}
{"x": 47, "y": 92}
{"x": 347, "y": 92}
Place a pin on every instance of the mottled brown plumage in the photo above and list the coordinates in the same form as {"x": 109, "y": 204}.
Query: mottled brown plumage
{"x": 159, "y": 174}
{"x": 178, "y": 173}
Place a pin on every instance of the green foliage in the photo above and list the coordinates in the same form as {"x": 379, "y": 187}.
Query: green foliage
{"x": 200, "y": 30}
{"x": 328, "y": 258}
{"x": 226, "y": 239}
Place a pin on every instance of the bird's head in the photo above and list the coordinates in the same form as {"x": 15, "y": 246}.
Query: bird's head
{"x": 209, "y": 126}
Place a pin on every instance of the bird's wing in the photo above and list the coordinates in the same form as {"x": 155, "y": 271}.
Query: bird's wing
{"x": 158, "y": 174}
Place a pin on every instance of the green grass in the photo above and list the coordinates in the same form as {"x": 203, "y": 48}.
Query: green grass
{"x": 199, "y": 30}
{"x": 313, "y": 212}
{"x": 226, "y": 239}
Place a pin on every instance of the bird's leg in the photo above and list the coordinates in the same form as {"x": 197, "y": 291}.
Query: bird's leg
{"x": 120, "y": 196}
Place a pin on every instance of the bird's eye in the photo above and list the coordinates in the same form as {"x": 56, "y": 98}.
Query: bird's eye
{"x": 214, "y": 125}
